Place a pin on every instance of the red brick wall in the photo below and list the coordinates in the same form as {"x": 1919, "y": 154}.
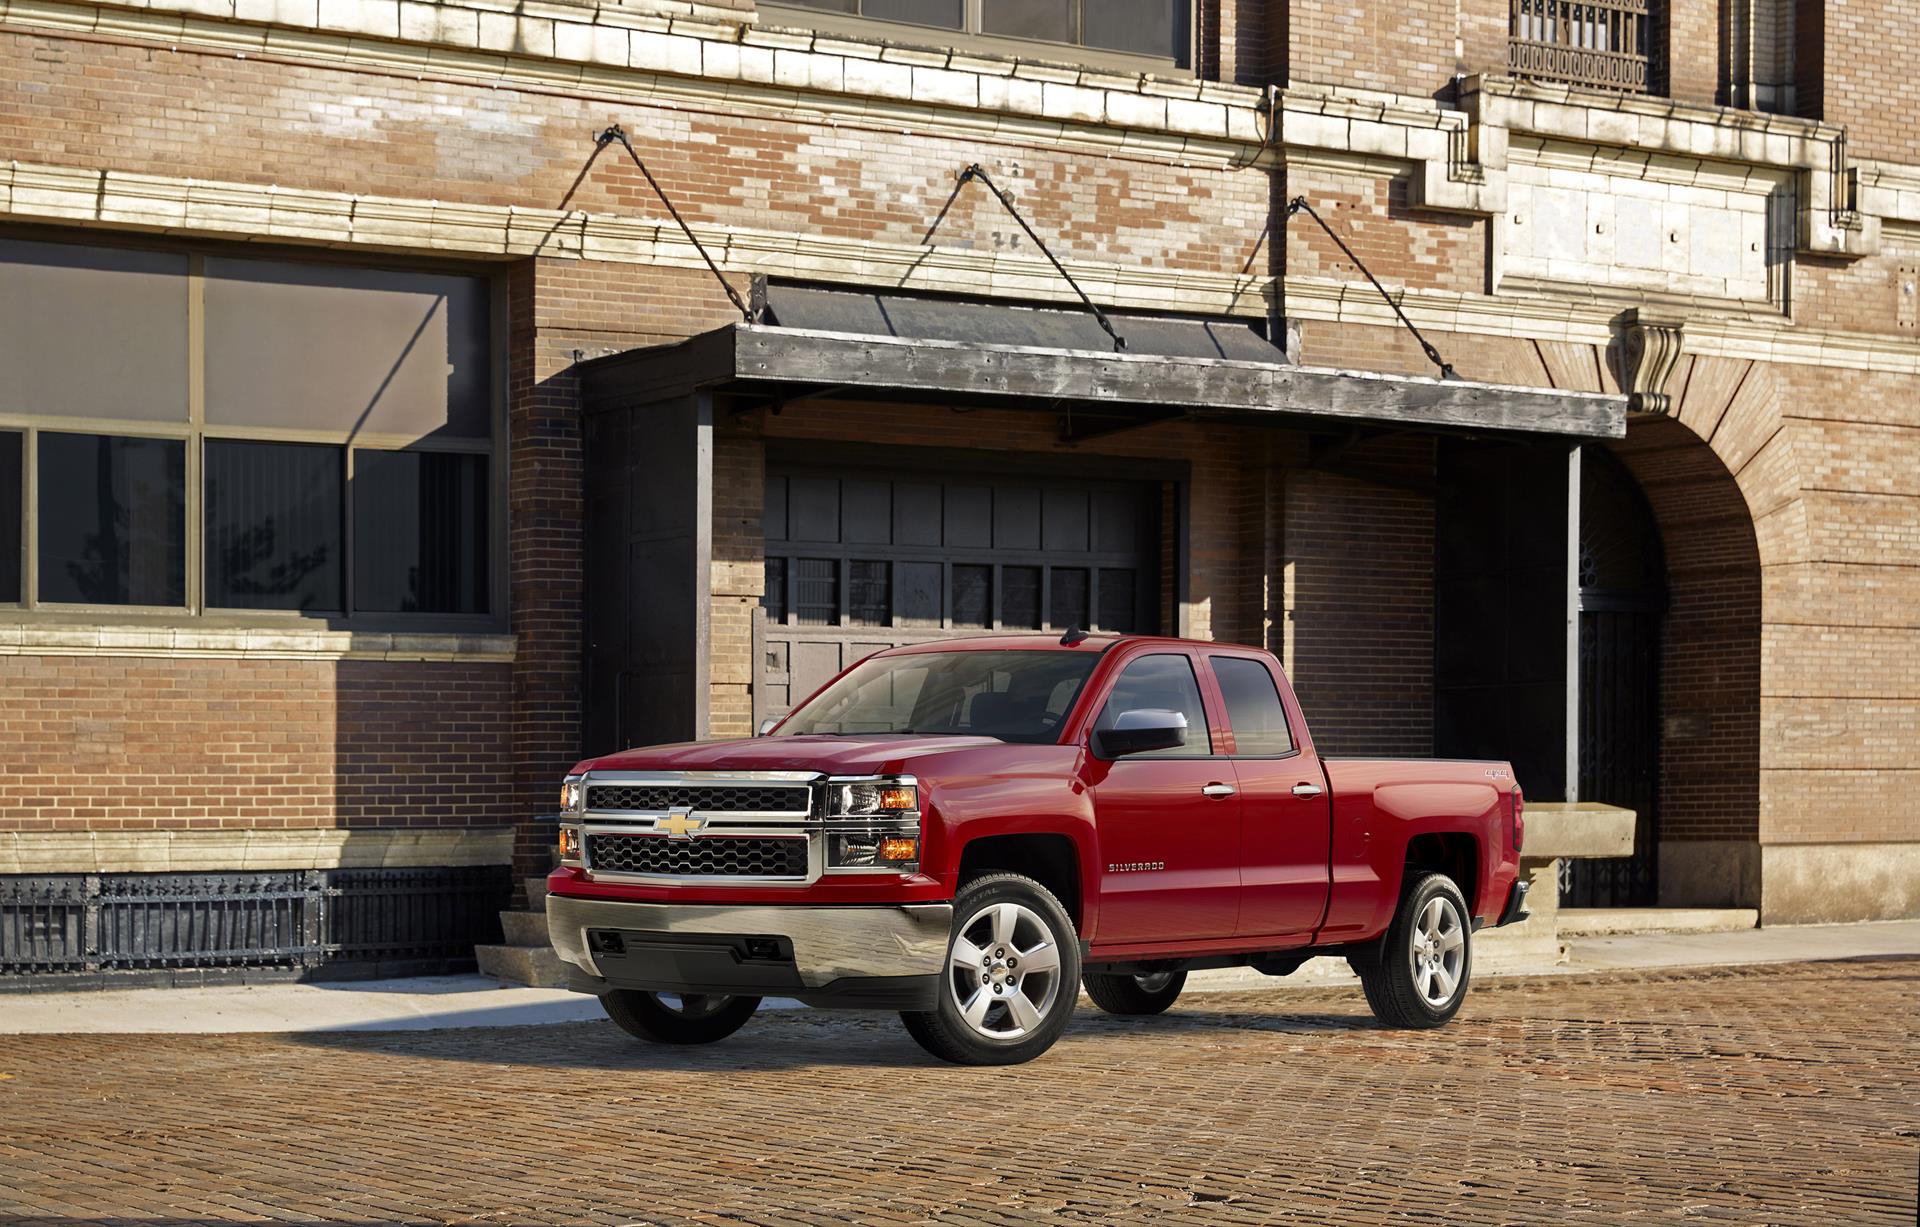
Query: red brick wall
{"x": 125, "y": 743}
{"x": 1359, "y": 582}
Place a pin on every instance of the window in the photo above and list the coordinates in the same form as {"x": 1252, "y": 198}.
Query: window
{"x": 335, "y": 457}
{"x": 112, "y": 519}
{"x": 1152, "y": 29}
{"x": 1597, "y": 43}
{"x": 1015, "y": 696}
{"x": 1253, "y": 706}
{"x": 1161, "y": 683}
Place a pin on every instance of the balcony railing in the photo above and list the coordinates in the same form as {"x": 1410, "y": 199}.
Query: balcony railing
{"x": 1596, "y": 43}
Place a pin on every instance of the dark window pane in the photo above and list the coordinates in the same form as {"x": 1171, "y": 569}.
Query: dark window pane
{"x": 420, "y": 532}
{"x": 93, "y": 331}
{"x": 1051, "y": 20}
{"x": 1161, "y": 683}
{"x": 816, "y": 592}
{"x": 11, "y": 546}
{"x": 112, "y": 520}
{"x": 869, "y": 593}
{"x": 370, "y": 350}
{"x": 1253, "y": 706}
{"x": 1147, "y": 27}
{"x": 1119, "y": 600}
{"x": 774, "y": 599}
{"x": 948, "y": 14}
{"x": 918, "y": 602}
{"x": 1067, "y": 597}
{"x": 1020, "y": 597}
{"x": 831, "y": 6}
{"x": 972, "y": 595}
{"x": 274, "y": 531}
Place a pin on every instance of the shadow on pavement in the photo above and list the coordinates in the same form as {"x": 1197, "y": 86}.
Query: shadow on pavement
{"x": 776, "y": 1039}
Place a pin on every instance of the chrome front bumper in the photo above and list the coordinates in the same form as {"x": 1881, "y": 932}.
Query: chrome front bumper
{"x": 829, "y": 943}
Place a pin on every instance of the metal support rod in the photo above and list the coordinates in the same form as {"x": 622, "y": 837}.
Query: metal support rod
{"x": 615, "y": 132}
{"x": 976, "y": 171}
{"x": 1299, "y": 205}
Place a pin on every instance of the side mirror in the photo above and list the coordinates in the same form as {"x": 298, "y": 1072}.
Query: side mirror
{"x": 1141, "y": 731}
{"x": 766, "y": 726}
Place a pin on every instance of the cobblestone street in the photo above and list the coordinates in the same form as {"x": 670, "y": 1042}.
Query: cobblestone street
{"x": 1785, "y": 1094}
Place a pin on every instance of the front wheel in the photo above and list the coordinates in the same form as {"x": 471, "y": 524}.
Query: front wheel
{"x": 678, "y": 1018}
{"x": 1420, "y": 977}
{"x": 1123, "y": 994}
{"x": 1008, "y": 986}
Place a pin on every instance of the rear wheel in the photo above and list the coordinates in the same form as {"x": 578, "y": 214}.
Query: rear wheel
{"x": 1123, "y": 994}
{"x": 1007, "y": 987}
{"x": 678, "y": 1018}
{"x": 1420, "y": 976}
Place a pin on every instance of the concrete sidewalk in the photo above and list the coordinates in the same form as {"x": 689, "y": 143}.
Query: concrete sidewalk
{"x": 440, "y": 1002}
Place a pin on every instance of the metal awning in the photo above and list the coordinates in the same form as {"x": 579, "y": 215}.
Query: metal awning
{"x": 896, "y": 347}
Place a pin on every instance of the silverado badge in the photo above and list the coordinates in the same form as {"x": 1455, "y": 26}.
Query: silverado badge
{"x": 679, "y": 824}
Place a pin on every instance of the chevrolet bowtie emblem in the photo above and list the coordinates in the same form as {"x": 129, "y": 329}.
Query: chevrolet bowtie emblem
{"x": 679, "y": 824}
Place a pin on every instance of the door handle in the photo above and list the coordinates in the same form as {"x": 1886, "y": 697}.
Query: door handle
{"x": 1306, "y": 790}
{"x": 1217, "y": 790}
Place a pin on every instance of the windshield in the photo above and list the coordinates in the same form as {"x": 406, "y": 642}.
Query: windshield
{"x": 1015, "y": 696}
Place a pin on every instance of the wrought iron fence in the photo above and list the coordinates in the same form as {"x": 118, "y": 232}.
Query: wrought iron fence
{"x": 91, "y": 925}
{"x": 1598, "y": 43}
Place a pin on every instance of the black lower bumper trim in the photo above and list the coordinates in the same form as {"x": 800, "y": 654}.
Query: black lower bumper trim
{"x": 743, "y": 965}
{"x": 1516, "y": 904}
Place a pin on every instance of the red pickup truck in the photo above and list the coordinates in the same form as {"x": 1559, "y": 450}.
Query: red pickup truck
{"x": 968, "y": 831}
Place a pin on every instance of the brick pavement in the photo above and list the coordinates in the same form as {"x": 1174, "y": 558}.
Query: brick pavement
{"x": 1786, "y": 1094}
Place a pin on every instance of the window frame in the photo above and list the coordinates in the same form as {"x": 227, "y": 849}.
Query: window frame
{"x": 194, "y": 431}
{"x": 970, "y": 38}
{"x": 1216, "y": 721}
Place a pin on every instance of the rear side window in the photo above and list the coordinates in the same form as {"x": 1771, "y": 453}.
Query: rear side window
{"x": 1164, "y": 683}
{"x": 1253, "y": 706}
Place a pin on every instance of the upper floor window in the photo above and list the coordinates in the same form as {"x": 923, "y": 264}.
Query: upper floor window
{"x": 1601, "y": 44}
{"x": 1123, "y": 33}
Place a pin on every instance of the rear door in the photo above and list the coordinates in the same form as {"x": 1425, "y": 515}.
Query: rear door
{"x": 1284, "y": 808}
{"x": 1169, "y": 820}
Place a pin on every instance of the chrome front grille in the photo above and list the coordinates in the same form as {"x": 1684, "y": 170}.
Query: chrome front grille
{"x": 703, "y": 798}
{"x": 709, "y": 856}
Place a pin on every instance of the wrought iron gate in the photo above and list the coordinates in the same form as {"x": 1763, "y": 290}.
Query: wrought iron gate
{"x": 1622, "y": 603}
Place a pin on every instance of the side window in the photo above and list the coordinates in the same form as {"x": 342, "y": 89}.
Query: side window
{"x": 1253, "y": 706}
{"x": 1165, "y": 682}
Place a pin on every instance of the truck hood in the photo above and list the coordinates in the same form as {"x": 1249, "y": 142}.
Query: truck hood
{"x": 859, "y": 754}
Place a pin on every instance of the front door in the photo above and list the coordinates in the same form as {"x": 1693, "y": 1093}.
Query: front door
{"x": 1168, "y": 821}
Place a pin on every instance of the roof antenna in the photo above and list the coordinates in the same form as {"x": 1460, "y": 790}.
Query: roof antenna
{"x": 1073, "y": 638}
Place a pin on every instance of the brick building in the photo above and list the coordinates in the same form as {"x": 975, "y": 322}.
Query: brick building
{"x": 310, "y": 310}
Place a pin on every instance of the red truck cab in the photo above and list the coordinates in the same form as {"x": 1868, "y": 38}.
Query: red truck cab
{"x": 968, "y": 832}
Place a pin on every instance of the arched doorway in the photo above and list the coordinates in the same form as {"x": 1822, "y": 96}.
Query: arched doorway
{"x": 1622, "y": 601}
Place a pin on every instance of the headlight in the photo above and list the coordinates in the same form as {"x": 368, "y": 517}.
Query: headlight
{"x": 873, "y": 826}
{"x": 573, "y": 795}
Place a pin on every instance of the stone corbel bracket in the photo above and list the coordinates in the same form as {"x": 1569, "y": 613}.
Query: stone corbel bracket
{"x": 1646, "y": 352}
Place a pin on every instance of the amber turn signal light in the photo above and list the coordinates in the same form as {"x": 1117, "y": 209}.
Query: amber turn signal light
{"x": 899, "y": 797}
{"x": 569, "y": 843}
{"x": 899, "y": 848}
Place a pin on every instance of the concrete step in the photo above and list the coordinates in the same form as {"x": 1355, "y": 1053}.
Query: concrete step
{"x": 538, "y": 966}
{"x": 1616, "y": 921}
{"x": 525, "y": 928}
{"x": 536, "y": 894}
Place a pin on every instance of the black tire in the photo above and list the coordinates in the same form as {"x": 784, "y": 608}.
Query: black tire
{"x": 1399, "y": 983}
{"x": 701, "y": 1019}
{"x": 1054, "y": 947}
{"x": 1124, "y": 994}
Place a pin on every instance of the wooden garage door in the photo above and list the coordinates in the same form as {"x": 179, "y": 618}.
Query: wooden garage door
{"x": 856, "y": 564}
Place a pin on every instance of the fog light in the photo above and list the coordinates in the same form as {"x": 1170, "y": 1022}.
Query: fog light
{"x": 899, "y": 848}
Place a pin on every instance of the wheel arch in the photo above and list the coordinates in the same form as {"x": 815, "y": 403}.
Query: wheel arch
{"x": 1052, "y": 858}
{"x": 1454, "y": 853}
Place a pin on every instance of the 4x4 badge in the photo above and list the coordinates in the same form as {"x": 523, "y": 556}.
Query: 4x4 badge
{"x": 679, "y": 824}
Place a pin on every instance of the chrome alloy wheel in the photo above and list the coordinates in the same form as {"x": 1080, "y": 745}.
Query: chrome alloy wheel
{"x": 1004, "y": 971}
{"x": 693, "y": 1005}
{"x": 1154, "y": 982}
{"x": 1438, "y": 951}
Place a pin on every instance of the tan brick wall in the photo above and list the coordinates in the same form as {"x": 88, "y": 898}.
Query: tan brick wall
{"x": 1854, "y": 70}
{"x": 128, "y": 743}
{"x": 1407, "y": 48}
